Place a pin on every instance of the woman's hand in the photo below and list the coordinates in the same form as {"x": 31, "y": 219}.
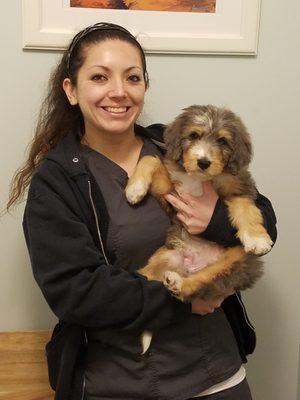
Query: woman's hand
{"x": 194, "y": 212}
{"x": 203, "y": 307}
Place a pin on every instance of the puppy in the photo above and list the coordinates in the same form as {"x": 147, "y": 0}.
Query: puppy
{"x": 204, "y": 143}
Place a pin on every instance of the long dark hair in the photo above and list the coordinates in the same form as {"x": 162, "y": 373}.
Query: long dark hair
{"x": 57, "y": 117}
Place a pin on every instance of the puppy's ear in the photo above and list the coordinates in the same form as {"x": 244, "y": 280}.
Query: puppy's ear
{"x": 172, "y": 137}
{"x": 242, "y": 147}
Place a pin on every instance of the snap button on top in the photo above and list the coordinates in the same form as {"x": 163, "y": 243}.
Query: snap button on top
{"x": 75, "y": 159}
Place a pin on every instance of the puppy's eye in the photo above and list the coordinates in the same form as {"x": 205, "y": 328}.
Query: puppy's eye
{"x": 193, "y": 136}
{"x": 223, "y": 141}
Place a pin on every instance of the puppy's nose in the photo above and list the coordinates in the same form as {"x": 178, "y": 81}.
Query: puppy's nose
{"x": 203, "y": 163}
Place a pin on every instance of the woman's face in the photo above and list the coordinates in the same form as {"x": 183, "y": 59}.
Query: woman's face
{"x": 110, "y": 88}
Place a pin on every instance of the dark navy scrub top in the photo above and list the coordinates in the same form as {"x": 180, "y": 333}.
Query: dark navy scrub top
{"x": 184, "y": 359}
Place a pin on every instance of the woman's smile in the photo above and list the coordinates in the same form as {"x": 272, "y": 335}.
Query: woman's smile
{"x": 116, "y": 111}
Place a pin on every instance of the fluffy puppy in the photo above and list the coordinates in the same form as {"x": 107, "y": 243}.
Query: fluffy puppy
{"x": 205, "y": 143}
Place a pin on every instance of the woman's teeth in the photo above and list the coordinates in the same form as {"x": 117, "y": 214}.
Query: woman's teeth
{"x": 115, "y": 109}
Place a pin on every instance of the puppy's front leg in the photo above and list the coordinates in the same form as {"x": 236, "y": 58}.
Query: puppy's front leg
{"x": 150, "y": 174}
{"x": 139, "y": 183}
{"x": 247, "y": 219}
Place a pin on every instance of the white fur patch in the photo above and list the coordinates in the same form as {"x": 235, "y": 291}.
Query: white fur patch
{"x": 190, "y": 184}
{"x": 203, "y": 120}
{"x": 200, "y": 150}
{"x": 256, "y": 244}
{"x": 136, "y": 191}
{"x": 146, "y": 339}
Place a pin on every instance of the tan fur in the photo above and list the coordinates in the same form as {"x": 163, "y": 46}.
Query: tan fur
{"x": 225, "y": 133}
{"x": 190, "y": 162}
{"x": 225, "y": 143}
{"x": 194, "y": 128}
{"x": 157, "y": 264}
{"x": 245, "y": 217}
{"x": 147, "y": 166}
{"x": 161, "y": 185}
{"x": 154, "y": 174}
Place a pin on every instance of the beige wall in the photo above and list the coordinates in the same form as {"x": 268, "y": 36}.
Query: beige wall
{"x": 264, "y": 90}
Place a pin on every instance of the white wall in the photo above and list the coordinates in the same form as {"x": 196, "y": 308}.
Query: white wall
{"x": 264, "y": 90}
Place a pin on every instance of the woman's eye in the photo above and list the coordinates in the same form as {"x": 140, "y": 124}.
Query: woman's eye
{"x": 222, "y": 141}
{"x": 98, "y": 77}
{"x": 193, "y": 136}
{"x": 134, "y": 78}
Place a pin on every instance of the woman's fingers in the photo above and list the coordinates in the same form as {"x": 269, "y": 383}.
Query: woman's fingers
{"x": 194, "y": 212}
{"x": 188, "y": 199}
{"x": 178, "y": 203}
{"x": 202, "y": 307}
{"x": 185, "y": 220}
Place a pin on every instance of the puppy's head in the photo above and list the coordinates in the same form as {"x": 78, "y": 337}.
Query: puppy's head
{"x": 208, "y": 140}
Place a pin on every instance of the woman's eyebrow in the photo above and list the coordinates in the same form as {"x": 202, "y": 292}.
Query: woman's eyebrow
{"x": 135, "y": 66}
{"x": 108, "y": 69}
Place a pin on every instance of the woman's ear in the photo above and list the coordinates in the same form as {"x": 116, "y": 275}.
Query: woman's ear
{"x": 70, "y": 91}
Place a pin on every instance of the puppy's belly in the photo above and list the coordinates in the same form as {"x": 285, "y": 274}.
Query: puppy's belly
{"x": 194, "y": 255}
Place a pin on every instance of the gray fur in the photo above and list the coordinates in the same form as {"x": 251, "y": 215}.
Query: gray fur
{"x": 217, "y": 118}
{"x": 213, "y": 119}
{"x": 239, "y": 154}
{"x": 243, "y": 275}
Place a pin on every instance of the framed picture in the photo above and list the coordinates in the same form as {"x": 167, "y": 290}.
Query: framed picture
{"x": 161, "y": 26}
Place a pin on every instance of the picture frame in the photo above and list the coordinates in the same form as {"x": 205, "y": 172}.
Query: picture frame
{"x": 232, "y": 29}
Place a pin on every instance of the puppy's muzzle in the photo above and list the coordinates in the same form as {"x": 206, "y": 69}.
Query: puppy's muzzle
{"x": 203, "y": 163}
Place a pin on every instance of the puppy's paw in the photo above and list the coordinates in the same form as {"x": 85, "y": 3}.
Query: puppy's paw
{"x": 258, "y": 245}
{"x": 136, "y": 191}
{"x": 173, "y": 283}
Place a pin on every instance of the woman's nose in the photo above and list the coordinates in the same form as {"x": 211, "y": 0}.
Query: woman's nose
{"x": 117, "y": 89}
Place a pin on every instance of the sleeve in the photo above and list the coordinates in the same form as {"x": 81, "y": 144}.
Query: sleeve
{"x": 75, "y": 280}
{"x": 221, "y": 231}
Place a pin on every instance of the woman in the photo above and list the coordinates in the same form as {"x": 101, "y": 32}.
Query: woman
{"x": 119, "y": 336}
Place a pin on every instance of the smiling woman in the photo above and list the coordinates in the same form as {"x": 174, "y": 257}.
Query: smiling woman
{"x": 201, "y": 6}
{"x": 86, "y": 242}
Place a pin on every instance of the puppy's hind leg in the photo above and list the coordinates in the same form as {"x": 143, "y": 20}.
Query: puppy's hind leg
{"x": 163, "y": 259}
{"x": 186, "y": 288}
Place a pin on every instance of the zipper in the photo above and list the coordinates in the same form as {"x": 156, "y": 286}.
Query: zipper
{"x": 84, "y": 382}
{"x": 106, "y": 260}
{"x": 244, "y": 312}
{"x": 83, "y": 388}
{"x": 97, "y": 222}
